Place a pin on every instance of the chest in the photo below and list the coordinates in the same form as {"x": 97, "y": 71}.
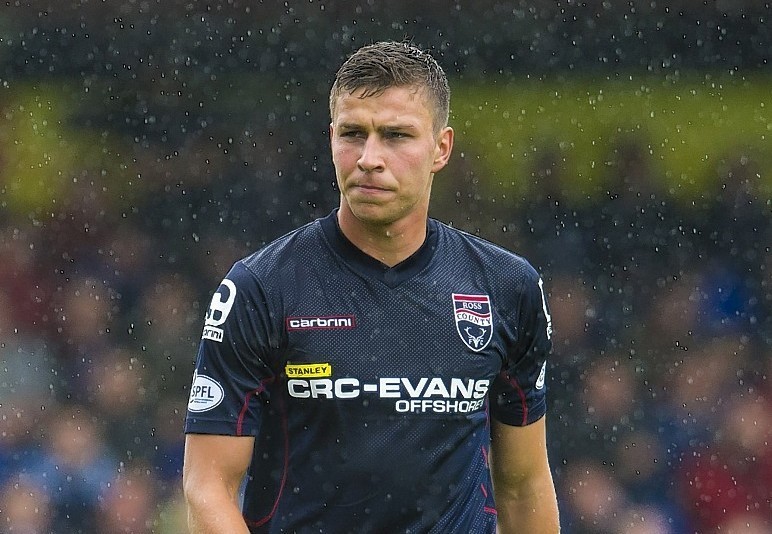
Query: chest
{"x": 423, "y": 346}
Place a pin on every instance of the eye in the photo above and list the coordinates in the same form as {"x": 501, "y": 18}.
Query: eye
{"x": 352, "y": 134}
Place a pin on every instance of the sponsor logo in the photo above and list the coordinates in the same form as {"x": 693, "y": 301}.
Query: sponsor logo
{"x": 337, "y": 322}
{"x": 474, "y": 320}
{"x": 423, "y": 395}
{"x": 542, "y": 374}
{"x": 219, "y": 309}
{"x": 213, "y": 333}
{"x": 205, "y": 393}
{"x": 308, "y": 370}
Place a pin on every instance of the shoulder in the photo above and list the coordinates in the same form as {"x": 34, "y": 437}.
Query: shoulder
{"x": 264, "y": 269}
{"x": 294, "y": 247}
{"x": 492, "y": 258}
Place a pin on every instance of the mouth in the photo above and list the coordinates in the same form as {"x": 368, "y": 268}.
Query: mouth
{"x": 369, "y": 188}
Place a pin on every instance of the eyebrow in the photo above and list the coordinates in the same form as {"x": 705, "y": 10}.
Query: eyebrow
{"x": 384, "y": 128}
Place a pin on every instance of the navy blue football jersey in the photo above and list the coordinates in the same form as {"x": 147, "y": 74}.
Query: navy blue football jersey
{"x": 369, "y": 389}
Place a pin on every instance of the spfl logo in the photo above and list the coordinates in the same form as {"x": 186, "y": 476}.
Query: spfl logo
{"x": 205, "y": 393}
{"x": 474, "y": 320}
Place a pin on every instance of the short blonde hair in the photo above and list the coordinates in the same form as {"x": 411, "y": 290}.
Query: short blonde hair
{"x": 386, "y": 64}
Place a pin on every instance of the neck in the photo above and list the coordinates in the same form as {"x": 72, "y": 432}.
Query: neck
{"x": 388, "y": 243}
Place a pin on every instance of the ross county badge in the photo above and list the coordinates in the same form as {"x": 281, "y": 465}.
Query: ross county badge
{"x": 474, "y": 320}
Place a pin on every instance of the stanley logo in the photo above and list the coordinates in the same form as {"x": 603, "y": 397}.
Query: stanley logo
{"x": 308, "y": 370}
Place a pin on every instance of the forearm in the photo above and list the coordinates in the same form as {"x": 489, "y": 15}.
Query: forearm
{"x": 531, "y": 509}
{"x": 214, "y": 514}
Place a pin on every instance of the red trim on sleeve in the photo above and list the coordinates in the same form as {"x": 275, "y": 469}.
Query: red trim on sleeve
{"x": 245, "y": 404}
{"x": 285, "y": 469}
{"x": 513, "y": 382}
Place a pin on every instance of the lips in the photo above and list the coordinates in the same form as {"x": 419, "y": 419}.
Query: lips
{"x": 369, "y": 188}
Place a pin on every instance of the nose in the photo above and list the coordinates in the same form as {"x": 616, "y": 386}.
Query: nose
{"x": 371, "y": 157}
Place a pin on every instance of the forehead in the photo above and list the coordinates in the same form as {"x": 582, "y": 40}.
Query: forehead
{"x": 394, "y": 103}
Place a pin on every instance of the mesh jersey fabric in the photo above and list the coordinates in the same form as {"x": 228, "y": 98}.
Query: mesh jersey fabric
{"x": 369, "y": 389}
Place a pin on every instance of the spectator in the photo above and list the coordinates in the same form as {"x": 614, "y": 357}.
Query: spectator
{"x": 116, "y": 388}
{"x": 129, "y": 504}
{"x": 594, "y": 499}
{"x": 727, "y": 483}
{"x": 77, "y": 470}
{"x": 24, "y": 508}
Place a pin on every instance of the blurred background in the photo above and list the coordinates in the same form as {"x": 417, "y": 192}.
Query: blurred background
{"x": 622, "y": 147}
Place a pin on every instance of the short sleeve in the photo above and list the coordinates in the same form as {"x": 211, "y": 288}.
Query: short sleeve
{"x": 232, "y": 367}
{"x": 518, "y": 395}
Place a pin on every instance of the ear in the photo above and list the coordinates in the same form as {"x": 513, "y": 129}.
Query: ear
{"x": 443, "y": 149}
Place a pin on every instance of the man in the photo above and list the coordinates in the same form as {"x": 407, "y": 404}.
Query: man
{"x": 375, "y": 370}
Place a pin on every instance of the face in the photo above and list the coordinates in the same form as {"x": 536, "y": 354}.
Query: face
{"x": 386, "y": 151}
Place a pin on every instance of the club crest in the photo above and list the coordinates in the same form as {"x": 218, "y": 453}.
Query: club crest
{"x": 474, "y": 320}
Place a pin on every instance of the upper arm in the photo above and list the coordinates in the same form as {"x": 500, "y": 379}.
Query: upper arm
{"x": 235, "y": 359}
{"x": 518, "y": 394}
{"x": 518, "y": 455}
{"x": 216, "y": 463}
{"x": 522, "y": 481}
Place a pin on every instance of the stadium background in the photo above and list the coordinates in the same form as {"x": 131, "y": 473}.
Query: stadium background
{"x": 623, "y": 147}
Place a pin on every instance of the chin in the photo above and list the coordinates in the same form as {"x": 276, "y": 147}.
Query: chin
{"x": 373, "y": 215}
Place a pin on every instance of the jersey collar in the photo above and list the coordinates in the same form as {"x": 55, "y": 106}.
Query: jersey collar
{"x": 371, "y": 267}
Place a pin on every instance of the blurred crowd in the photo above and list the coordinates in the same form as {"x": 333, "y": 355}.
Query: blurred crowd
{"x": 660, "y": 414}
{"x": 662, "y": 360}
